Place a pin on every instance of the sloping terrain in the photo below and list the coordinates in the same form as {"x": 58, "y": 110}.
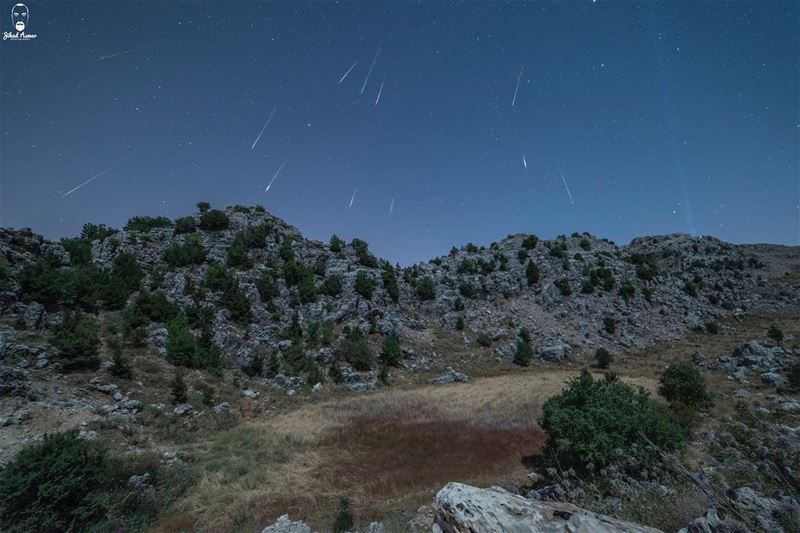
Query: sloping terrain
{"x": 313, "y": 371}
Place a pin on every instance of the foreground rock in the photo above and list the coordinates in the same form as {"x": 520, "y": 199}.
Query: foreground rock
{"x": 464, "y": 509}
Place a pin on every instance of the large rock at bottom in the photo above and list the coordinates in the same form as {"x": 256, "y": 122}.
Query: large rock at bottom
{"x": 464, "y": 509}
{"x": 284, "y": 525}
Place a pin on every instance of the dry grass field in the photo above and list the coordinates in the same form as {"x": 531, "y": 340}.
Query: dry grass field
{"x": 390, "y": 451}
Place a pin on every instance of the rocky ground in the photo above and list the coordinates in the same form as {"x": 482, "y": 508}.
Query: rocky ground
{"x": 273, "y": 438}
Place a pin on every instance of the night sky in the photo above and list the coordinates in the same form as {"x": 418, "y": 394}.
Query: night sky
{"x": 476, "y": 121}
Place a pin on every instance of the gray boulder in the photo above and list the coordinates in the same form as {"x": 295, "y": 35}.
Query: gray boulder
{"x": 451, "y": 376}
{"x": 284, "y": 525}
{"x": 464, "y": 509}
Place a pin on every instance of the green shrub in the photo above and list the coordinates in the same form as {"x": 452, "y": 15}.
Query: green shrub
{"x": 524, "y": 354}
{"x": 239, "y": 254}
{"x": 390, "y": 283}
{"x": 80, "y": 250}
{"x": 390, "y": 352}
{"x": 344, "y": 518}
{"x": 467, "y": 289}
{"x": 484, "y": 340}
{"x": 460, "y": 323}
{"x": 66, "y": 483}
{"x": 78, "y": 341}
{"x": 54, "y": 485}
{"x": 563, "y": 286}
{"x": 585, "y": 244}
{"x": 235, "y": 300}
{"x": 627, "y": 290}
{"x": 793, "y": 376}
{"x": 39, "y": 283}
{"x": 775, "y": 334}
{"x": 712, "y": 328}
{"x": 306, "y": 289}
{"x": 355, "y": 350}
{"x": 146, "y": 224}
{"x": 184, "y": 350}
{"x": 364, "y": 285}
{"x": 185, "y": 225}
{"x": 189, "y": 253}
{"x": 530, "y": 242}
{"x": 120, "y": 369}
{"x": 203, "y": 206}
{"x": 426, "y": 289}
{"x": 332, "y": 286}
{"x": 286, "y": 251}
{"x": 610, "y": 325}
{"x": 219, "y": 277}
{"x": 178, "y": 388}
{"x": 214, "y": 220}
{"x": 646, "y": 271}
{"x": 603, "y": 357}
{"x": 336, "y": 244}
{"x": 681, "y": 382}
{"x": 267, "y": 288}
{"x": 365, "y": 258}
{"x": 96, "y": 232}
{"x": 592, "y": 419}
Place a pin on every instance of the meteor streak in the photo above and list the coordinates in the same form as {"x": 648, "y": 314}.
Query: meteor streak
{"x": 109, "y": 56}
{"x": 565, "y": 184}
{"x": 524, "y": 162}
{"x": 86, "y": 182}
{"x": 352, "y": 198}
{"x": 369, "y": 72}
{"x": 276, "y": 174}
{"x": 265, "y": 127}
{"x": 378, "y": 99}
{"x": 391, "y": 207}
{"x": 348, "y": 72}
{"x": 517, "y": 89}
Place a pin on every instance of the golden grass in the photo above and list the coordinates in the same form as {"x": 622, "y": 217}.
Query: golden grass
{"x": 387, "y": 451}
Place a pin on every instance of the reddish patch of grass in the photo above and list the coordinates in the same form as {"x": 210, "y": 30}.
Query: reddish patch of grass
{"x": 392, "y": 456}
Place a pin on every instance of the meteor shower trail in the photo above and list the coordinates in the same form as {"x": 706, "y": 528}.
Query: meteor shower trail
{"x": 86, "y": 182}
{"x": 274, "y": 177}
{"x": 565, "y": 184}
{"x": 369, "y": 72}
{"x": 109, "y": 56}
{"x": 348, "y": 72}
{"x": 514, "y": 101}
{"x": 265, "y": 127}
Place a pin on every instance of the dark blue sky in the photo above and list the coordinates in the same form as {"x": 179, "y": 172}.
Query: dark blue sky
{"x": 662, "y": 117}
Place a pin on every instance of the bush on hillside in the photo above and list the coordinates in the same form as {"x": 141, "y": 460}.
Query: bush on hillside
{"x": 524, "y": 354}
{"x": 80, "y": 250}
{"x": 390, "y": 283}
{"x": 365, "y": 257}
{"x": 189, "y": 253}
{"x": 336, "y": 244}
{"x": 390, "y": 352}
{"x": 682, "y": 382}
{"x": 603, "y": 357}
{"x": 146, "y": 223}
{"x": 66, "y": 483}
{"x": 355, "y": 350}
{"x": 592, "y": 419}
{"x": 563, "y": 286}
{"x": 185, "y": 225}
{"x": 364, "y": 285}
{"x": 775, "y": 334}
{"x": 96, "y": 232}
{"x": 532, "y": 273}
{"x": 214, "y": 220}
{"x": 530, "y": 242}
{"x": 426, "y": 289}
{"x": 78, "y": 341}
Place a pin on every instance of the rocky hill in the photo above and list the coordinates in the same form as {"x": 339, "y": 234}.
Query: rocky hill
{"x": 265, "y": 343}
{"x": 249, "y": 278}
